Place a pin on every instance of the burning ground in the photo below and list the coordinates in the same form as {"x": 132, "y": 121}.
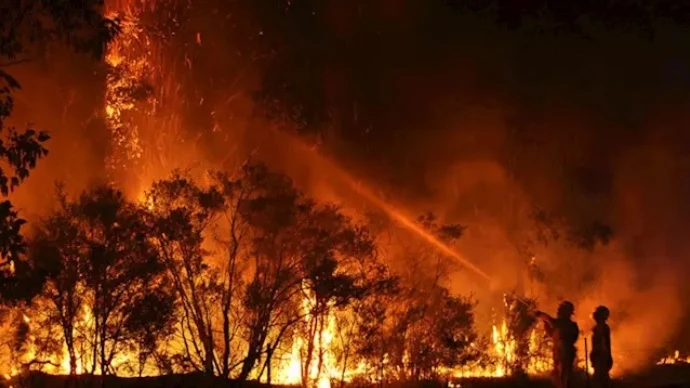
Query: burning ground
{"x": 373, "y": 207}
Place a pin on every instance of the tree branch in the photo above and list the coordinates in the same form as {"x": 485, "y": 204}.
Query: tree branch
{"x": 15, "y": 62}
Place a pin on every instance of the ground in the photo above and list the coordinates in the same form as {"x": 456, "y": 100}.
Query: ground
{"x": 660, "y": 377}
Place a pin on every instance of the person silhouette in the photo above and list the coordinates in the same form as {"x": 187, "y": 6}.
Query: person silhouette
{"x": 564, "y": 333}
{"x": 600, "y": 355}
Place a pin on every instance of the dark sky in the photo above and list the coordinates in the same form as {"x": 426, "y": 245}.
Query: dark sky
{"x": 390, "y": 79}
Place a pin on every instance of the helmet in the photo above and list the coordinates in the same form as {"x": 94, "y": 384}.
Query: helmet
{"x": 601, "y": 313}
{"x": 566, "y": 309}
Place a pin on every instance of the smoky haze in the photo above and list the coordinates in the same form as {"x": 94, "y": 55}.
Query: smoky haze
{"x": 435, "y": 111}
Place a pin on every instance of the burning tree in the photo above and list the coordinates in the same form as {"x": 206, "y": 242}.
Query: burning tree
{"x": 243, "y": 276}
{"x": 180, "y": 213}
{"x": 56, "y": 250}
{"x": 422, "y": 328}
{"x": 520, "y": 325}
{"x": 106, "y": 285}
{"x": 253, "y": 263}
{"x": 306, "y": 261}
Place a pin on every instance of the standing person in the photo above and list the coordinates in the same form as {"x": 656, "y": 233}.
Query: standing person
{"x": 564, "y": 333}
{"x": 600, "y": 355}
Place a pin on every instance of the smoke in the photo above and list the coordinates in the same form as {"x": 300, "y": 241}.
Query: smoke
{"x": 643, "y": 317}
{"x": 638, "y": 275}
{"x": 61, "y": 93}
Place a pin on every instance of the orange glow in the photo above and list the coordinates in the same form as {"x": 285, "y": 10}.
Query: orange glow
{"x": 130, "y": 62}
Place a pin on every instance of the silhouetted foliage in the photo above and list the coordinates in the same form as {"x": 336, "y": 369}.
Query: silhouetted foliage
{"x": 56, "y": 250}
{"x": 273, "y": 247}
{"x": 550, "y": 228}
{"x": 181, "y": 212}
{"x": 298, "y": 249}
{"x": 99, "y": 261}
{"x": 232, "y": 272}
{"x": 413, "y": 323}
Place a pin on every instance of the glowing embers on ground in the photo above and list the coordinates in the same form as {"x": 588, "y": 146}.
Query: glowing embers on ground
{"x": 675, "y": 358}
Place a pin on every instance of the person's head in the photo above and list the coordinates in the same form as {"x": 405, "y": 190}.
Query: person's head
{"x": 601, "y": 314}
{"x": 565, "y": 310}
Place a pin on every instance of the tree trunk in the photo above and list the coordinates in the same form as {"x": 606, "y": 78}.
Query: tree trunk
{"x": 319, "y": 365}
{"x": 269, "y": 356}
{"x": 310, "y": 349}
{"x": 104, "y": 359}
{"x": 69, "y": 343}
{"x": 232, "y": 256}
{"x": 226, "y": 340}
{"x": 208, "y": 359}
{"x": 94, "y": 351}
{"x": 257, "y": 339}
{"x": 247, "y": 366}
{"x": 346, "y": 353}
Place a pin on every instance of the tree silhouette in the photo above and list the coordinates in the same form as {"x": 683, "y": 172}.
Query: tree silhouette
{"x": 181, "y": 212}
{"x": 299, "y": 251}
{"x": 56, "y": 251}
{"x": 104, "y": 274}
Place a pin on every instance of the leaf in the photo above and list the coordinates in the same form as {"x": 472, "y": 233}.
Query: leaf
{"x": 11, "y": 82}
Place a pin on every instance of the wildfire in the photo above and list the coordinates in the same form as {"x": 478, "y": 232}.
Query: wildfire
{"x": 318, "y": 375}
{"x": 136, "y": 85}
{"x": 130, "y": 64}
{"x": 502, "y": 355}
{"x": 675, "y": 358}
{"x": 127, "y": 68}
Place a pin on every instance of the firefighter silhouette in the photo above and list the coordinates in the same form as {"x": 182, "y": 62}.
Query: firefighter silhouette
{"x": 600, "y": 355}
{"x": 564, "y": 333}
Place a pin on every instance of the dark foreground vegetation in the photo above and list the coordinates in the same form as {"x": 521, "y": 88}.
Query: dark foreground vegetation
{"x": 41, "y": 380}
{"x": 666, "y": 376}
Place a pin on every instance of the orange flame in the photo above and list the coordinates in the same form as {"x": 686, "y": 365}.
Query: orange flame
{"x": 675, "y": 358}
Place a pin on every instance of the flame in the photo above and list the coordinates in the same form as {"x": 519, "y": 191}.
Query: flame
{"x": 503, "y": 354}
{"x": 675, "y": 358}
{"x": 317, "y": 375}
{"x": 126, "y": 70}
